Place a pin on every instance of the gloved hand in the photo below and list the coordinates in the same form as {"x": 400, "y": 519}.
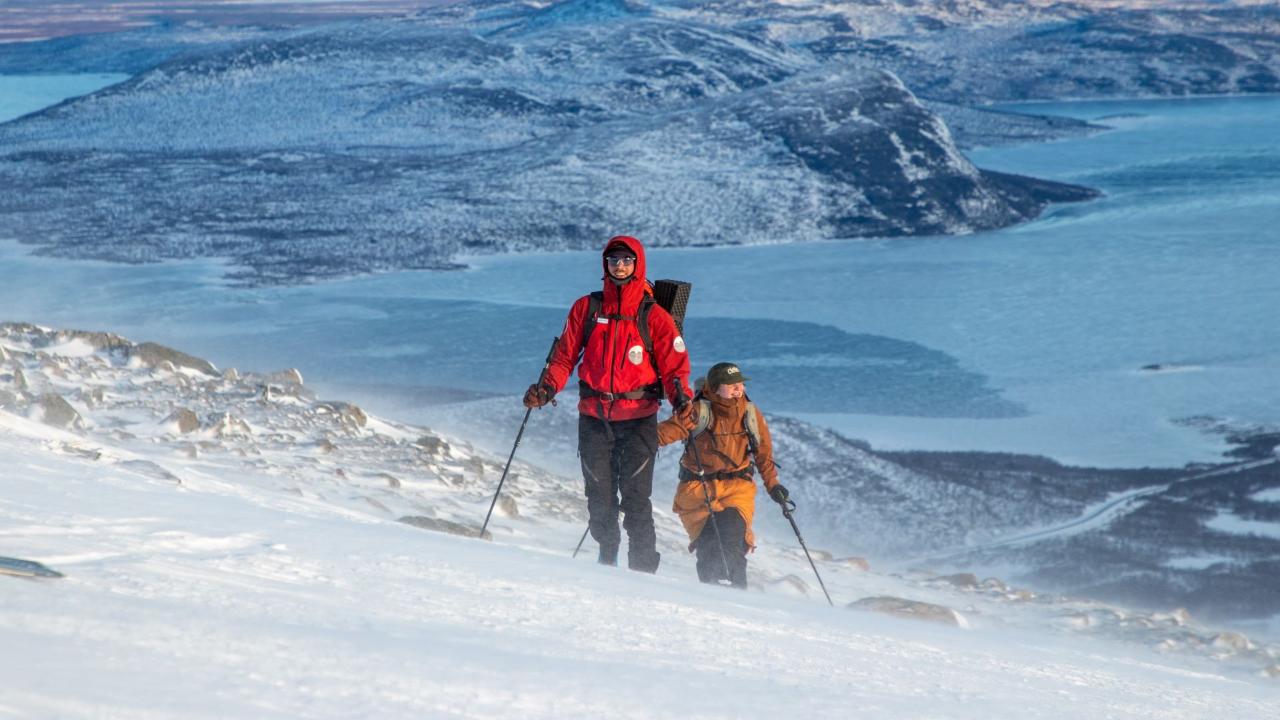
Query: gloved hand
{"x": 686, "y": 411}
{"x": 779, "y": 494}
{"x": 538, "y": 395}
{"x": 681, "y": 400}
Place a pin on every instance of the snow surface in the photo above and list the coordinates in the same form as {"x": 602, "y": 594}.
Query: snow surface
{"x": 1198, "y": 562}
{"x": 260, "y": 573}
{"x": 1236, "y": 525}
{"x": 1268, "y": 496}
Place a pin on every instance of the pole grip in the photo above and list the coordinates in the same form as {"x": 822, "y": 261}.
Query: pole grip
{"x": 550, "y": 354}
{"x": 546, "y": 365}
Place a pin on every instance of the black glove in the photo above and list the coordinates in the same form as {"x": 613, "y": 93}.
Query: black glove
{"x": 538, "y": 395}
{"x": 680, "y": 400}
{"x": 779, "y": 494}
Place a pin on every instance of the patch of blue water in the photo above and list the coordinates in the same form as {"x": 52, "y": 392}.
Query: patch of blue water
{"x": 24, "y": 94}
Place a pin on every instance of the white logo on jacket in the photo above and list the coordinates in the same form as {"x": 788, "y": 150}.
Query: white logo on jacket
{"x": 636, "y": 354}
{"x": 678, "y": 344}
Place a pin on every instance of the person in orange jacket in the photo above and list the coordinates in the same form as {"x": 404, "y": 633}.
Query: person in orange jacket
{"x": 726, "y": 442}
{"x": 622, "y": 378}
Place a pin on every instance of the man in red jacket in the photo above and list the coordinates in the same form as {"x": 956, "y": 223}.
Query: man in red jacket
{"x": 621, "y": 383}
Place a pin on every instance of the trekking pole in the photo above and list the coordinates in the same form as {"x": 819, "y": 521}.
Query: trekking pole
{"x": 789, "y": 507}
{"x": 711, "y": 514}
{"x": 512, "y": 456}
{"x": 582, "y": 540}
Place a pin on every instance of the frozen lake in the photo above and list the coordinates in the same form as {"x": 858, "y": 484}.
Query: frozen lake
{"x": 23, "y": 94}
{"x": 1025, "y": 340}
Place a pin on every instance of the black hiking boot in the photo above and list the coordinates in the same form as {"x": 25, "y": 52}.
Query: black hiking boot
{"x": 645, "y": 562}
{"x": 608, "y": 556}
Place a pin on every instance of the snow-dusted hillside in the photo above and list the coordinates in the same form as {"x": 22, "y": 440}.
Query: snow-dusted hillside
{"x": 245, "y": 560}
{"x": 493, "y": 127}
{"x": 1167, "y": 545}
{"x": 977, "y": 51}
{"x": 1159, "y": 546}
{"x": 1210, "y": 539}
{"x": 507, "y": 126}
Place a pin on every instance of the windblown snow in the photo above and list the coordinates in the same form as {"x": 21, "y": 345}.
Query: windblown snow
{"x": 232, "y": 548}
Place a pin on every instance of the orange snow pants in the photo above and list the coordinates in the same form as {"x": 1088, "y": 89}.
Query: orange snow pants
{"x": 691, "y": 504}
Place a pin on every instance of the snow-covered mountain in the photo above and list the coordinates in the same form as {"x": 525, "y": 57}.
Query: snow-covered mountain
{"x": 231, "y": 548}
{"x": 501, "y": 126}
{"x": 976, "y": 51}
{"x": 493, "y": 127}
{"x": 1133, "y": 54}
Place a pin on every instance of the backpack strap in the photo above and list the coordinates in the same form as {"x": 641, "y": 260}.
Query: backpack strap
{"x": 593, "y": 315}
{"x": 752, "y": 424}
{"x": 685, "y": 474}
{"x": 642, "y": 324}
{"x": 703, "y": 407}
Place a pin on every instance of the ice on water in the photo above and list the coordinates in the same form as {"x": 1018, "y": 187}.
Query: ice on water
{"x": 24, "y": 94}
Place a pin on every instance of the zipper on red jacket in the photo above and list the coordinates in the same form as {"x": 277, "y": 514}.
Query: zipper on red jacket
{"x": 613, "y": 343}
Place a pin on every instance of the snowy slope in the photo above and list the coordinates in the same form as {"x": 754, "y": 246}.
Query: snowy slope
{"x": 221, "y": 599}
{"x": 245, "y": 560}
{"x": 1139, "y": 536}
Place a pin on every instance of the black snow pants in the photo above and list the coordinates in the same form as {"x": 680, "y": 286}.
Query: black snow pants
{"x": 733, "y": 533}
{"x": 617, "y": 468}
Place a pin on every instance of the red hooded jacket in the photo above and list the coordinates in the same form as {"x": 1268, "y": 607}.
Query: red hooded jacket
{"x": 615, "y": 360}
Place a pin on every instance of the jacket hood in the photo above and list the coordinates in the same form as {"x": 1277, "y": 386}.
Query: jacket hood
{"x": 630, "y": 294}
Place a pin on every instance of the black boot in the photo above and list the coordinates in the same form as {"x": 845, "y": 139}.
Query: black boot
{"x": 608, "y": 555}
{"x": 709, "y": 565}
{"x": 734, "y": 529}
{"x": 645, "y": 561}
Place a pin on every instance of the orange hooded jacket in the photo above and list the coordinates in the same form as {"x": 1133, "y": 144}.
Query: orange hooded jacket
{"x": 724, "y": 447}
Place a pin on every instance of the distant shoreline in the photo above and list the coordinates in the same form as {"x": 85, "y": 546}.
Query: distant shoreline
{"x": 35, "y": 21}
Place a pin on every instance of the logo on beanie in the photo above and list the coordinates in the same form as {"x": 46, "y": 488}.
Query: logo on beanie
{"x": 636, "y": 354}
